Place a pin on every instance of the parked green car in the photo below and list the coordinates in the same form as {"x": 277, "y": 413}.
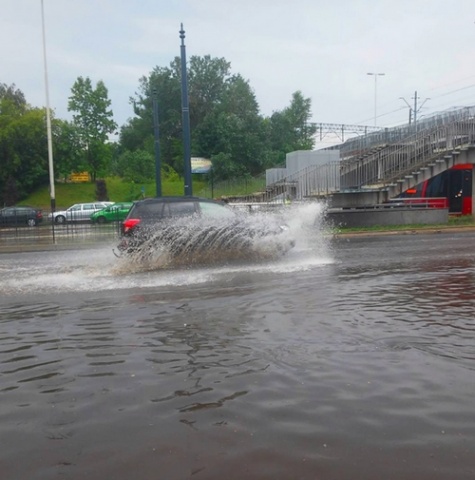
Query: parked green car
{"x": 113, "y": 213}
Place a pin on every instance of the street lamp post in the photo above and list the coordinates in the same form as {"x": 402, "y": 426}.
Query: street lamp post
{"x": 185, "y": 115}
{"x": 375, "y": 75}
{"x": 48, "y": 125}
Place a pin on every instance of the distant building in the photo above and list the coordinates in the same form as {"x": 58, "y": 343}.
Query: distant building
{"x": 307, "y": 173}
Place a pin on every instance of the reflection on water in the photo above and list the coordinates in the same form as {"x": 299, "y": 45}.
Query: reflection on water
{"x": 349, "y": 360}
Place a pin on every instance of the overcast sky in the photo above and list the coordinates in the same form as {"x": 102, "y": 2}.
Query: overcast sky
{"x": 324, "y": 49}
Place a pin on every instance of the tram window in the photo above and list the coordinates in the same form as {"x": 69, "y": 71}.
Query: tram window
{"x": 437, "y": 186}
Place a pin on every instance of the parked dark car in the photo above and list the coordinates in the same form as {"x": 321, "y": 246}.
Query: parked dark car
{"x": 192, "y": 228}
{"x": 20, "y": 216}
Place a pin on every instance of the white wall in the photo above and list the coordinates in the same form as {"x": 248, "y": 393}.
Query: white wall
{"x": 300, "y": 159}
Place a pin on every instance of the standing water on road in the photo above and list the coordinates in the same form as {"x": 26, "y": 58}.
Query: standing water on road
{"x": 346, "y": 358}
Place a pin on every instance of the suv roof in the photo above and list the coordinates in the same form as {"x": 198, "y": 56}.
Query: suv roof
{"x": 153, "y": 210}
{"x": 176, "y": 199}
{"x": 175, "y": 206}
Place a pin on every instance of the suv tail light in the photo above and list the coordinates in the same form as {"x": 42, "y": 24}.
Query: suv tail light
{"x": 129, "y": 224}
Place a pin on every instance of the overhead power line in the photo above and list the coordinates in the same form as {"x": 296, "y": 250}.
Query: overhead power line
{"x": 340, "y": 129}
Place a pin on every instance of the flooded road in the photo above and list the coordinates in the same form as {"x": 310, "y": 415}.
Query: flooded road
{"x": 350, "y": 358}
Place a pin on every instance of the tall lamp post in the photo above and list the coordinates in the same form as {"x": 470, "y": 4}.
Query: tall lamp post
{"x": 185, "y": 110}
{"x": 375, "y": 75}
{"x": 48, "y": 118}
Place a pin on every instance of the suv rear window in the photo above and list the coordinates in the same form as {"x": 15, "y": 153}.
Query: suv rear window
{"x": 157, "y": 210}
{"x": 215, "y": 211}
{"x": 147, "y": 210}
{"x": 179, "y": 209}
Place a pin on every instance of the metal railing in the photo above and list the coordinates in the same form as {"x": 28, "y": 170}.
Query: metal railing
{"x": 405, "y": 157}
{"x": 379, "y": 159}
{"x": 48, "y": 233}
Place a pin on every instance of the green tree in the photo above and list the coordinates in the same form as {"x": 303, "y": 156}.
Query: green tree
{"x": 12, "y": 99}
{"x": 224, "y": 117}
{"x": 290, "y": 129}
{"x": 207, "y": 78}
{"x": 10, "y": 192}
{"x": 138, "y": 133}
{"x": 225, "y": 168}
{"x": 23, "y": 146}
{"x": 67, "y": 151}
{"x": 137, "y": 166}
{"x": 93, "y": 119}
{"x": 234, "y": 128}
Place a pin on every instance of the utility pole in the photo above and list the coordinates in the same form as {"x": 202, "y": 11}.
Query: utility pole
{"x": 410, "y": 109}
{"x": 375, "y": 75}
{"x": 417, "y": 109}
{"x": 414, "y": 110}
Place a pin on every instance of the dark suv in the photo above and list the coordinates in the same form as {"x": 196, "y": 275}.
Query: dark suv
{"x": 194, "y": 226}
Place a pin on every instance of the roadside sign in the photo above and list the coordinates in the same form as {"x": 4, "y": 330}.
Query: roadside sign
{"x": 200, "y": 165}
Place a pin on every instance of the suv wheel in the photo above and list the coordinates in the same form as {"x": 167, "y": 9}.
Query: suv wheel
{"x": 60, "y": 219}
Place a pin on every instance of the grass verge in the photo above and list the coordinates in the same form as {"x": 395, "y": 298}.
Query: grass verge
{"x": 118, "y": 190}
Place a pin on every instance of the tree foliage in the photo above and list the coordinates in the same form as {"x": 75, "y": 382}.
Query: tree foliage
{"x": 290, "y": 129}
{"x": 67, "y": 149}
{"x": 93, "y": 120}
{"x": 226, "y": 125}
{"x": 12, "y": 99}
{"x": 136, "y": 166}
{"x": 23, "y": 146}
{"x": 138, "y": 133}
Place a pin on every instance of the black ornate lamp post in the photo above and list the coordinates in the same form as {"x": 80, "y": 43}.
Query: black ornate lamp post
{"x": 185, "y": 110}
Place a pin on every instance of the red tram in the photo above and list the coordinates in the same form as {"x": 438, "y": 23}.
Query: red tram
{"x": 454, "y": 184}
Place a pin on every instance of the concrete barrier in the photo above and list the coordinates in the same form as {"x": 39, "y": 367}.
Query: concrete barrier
{"x": 384, "y": 216}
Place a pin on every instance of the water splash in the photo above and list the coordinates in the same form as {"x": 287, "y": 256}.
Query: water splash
{"x": 259, "y": 236}
{"x": 97, "y": 269}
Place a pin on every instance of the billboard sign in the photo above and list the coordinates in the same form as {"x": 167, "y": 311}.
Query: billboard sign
{"x": 200, "y": 165}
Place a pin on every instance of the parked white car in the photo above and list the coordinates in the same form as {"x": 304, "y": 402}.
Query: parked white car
{"x": 80, "y": 212}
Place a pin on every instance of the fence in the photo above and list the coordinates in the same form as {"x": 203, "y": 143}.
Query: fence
{"x": 13, "y": 237}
